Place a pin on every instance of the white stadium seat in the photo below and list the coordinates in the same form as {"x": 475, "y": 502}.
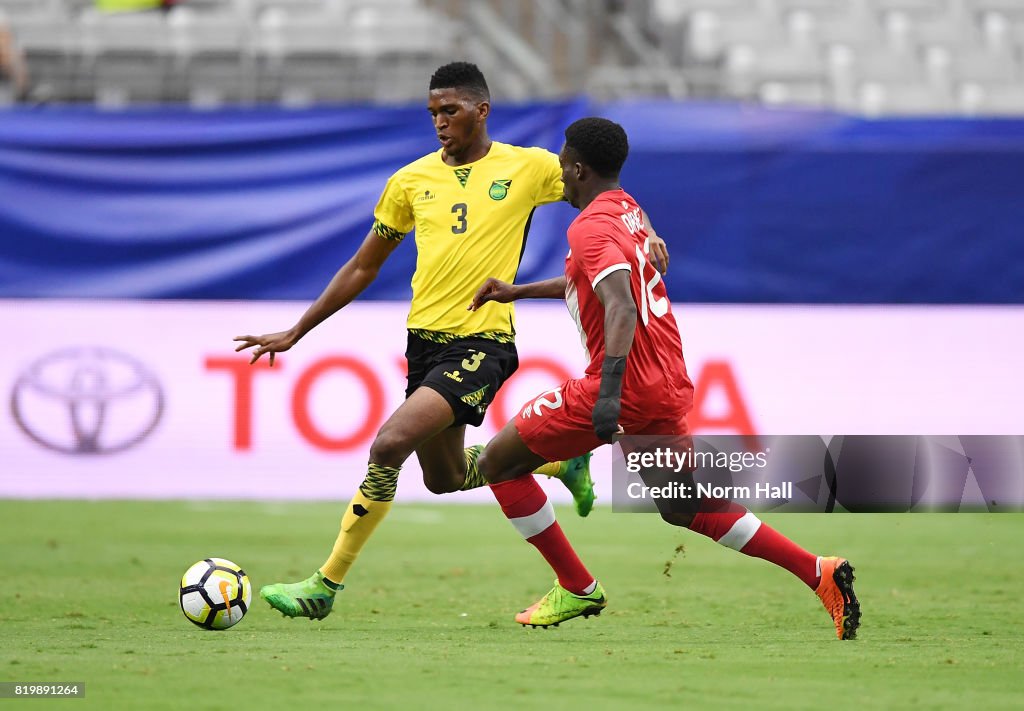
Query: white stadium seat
{"x": 857, "y": 55}
{"x": 902, "y": 99}
{"x": 125, "y": 57}
{"x": 903, "y": 30}
{"x": 213, "y": 58}
{"x": 992, "y": 99}
{"x": 781, "y": 93}
{"x": 852, "y": 28}
{"x": 747, "y": 67}
{"x": 947, "y": 65}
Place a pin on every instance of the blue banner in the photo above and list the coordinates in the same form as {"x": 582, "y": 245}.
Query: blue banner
{"x": 813, "y": 207}
{"x": 757, "y": 205}
{"x": 237, "y": 204}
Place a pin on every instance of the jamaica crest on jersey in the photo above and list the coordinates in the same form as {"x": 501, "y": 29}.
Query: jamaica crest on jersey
{"x": 499, "y": 189}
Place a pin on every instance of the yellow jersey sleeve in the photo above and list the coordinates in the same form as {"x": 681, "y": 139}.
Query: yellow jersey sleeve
{"x": 548, "y": 176}
{"x": 393, "y": 216}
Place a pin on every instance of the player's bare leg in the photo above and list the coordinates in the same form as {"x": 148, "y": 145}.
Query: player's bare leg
{"x": 423, "y": 416}
{"x": 449, "y": 466}
{"x": 444, "y": 460}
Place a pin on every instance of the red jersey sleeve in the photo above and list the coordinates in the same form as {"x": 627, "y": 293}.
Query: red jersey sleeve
{"x": 595, "y": 249}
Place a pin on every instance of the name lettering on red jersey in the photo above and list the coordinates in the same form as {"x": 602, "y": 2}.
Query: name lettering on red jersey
{"x": 633, "y": 220}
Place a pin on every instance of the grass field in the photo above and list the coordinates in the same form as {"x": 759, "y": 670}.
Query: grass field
{"x": 426, "y": 621}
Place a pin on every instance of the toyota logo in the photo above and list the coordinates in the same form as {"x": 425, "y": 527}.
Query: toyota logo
{"x": 87, "y": 400}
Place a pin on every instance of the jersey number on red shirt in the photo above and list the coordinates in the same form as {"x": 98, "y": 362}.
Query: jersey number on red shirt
{"x": 649, "y": 303}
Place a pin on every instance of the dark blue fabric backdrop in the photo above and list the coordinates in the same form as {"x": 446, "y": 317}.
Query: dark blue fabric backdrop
{"x": 757, "y": 205}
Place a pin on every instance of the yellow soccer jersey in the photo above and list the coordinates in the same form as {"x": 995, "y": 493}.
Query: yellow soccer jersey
{"x": 471, "y": 224}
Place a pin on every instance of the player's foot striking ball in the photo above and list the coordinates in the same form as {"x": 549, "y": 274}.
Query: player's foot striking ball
{"x": 312, "y": 598}
{"x": 836, "y": 593}
{"x": 560, "y": 605}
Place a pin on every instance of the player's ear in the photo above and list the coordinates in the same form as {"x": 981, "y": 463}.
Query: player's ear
{"x": 484, "y": 109}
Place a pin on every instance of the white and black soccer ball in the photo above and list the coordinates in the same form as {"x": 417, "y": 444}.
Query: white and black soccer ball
{"x": 215, "y": 594}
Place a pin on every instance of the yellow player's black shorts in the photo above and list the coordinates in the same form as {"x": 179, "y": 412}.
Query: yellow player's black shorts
{"x": 467, "y": 372}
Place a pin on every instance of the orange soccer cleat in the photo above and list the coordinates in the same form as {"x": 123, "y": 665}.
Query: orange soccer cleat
{"x": 836, "y": 593}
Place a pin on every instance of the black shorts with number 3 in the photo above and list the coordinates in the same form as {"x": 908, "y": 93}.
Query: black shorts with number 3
{"x": 467, "y": 372}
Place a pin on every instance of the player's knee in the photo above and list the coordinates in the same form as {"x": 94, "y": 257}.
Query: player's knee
{"x": 496, "y": 469}
{"x": 440, "y": 487}
{"x": 390, "y": 448}
{"x": 485, "y": 465}
{"x": 443, "y": 483}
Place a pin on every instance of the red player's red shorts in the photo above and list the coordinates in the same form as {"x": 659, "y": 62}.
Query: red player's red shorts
{"x": 557, "y": 425}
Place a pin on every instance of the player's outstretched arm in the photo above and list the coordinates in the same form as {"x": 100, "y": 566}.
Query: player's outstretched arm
{"x": 503, "y": 292}
{"x": 619, "y": 326}
{"x": 350, "y": 281}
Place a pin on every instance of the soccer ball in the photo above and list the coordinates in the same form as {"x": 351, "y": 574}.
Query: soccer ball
{"x": 215, "y": 594}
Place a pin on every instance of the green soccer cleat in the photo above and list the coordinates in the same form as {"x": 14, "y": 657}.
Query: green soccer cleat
{"x": 575, "y": 474}
{"x": 310, "y": 598}
{"x": 560, "y": 605}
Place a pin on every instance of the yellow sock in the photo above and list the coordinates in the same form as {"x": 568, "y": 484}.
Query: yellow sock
{"x": 549, "y": 469}
{"x": 360, "y": 520}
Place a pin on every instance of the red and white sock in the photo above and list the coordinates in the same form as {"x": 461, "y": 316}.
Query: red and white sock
{"x": 734, "y": 527}
{"x": 526, "y": 505}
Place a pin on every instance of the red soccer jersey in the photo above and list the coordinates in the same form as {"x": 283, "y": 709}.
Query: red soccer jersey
{"x": 607, "y": 236}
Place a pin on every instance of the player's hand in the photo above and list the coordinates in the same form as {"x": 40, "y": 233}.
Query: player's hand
{"x": 659, "y": 253}
{"x": 268, "y": 343}
{"x": 492, "y": 290}
{"x": 606, "y": 418}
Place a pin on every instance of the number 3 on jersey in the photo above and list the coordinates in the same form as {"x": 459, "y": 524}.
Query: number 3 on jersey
{"x": 649, "y": 303}
{"x": 459, "y": 210}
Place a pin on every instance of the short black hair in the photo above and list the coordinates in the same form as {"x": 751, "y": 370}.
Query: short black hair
{"x": 599, "y": 143}
{"x": 461, "y": 75}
